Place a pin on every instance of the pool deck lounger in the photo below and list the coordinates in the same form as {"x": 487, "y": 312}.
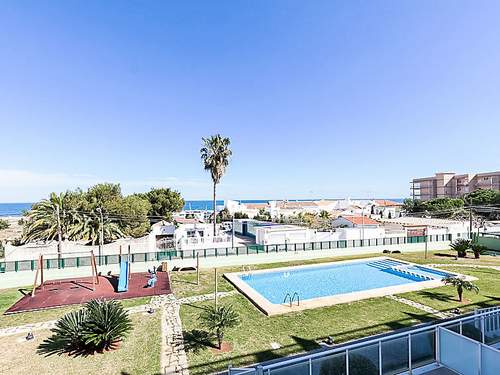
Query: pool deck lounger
{"x": 270, "y": 308}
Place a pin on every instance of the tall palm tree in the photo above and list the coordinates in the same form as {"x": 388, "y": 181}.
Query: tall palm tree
{"x": 87, "y": 227}
{"x": 47, "y": 221}
{"x": 215, "y": 154}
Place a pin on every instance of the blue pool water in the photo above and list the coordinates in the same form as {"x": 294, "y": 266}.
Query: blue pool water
{"x": 334, "y": 279}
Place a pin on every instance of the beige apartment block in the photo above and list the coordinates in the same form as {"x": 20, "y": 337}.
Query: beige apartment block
{"x": 452, "y": 185}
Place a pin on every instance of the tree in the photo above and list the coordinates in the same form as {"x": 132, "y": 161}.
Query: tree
{"x": 215, "y": 154}
{"x": 263, "y": 215}
{"x": 47, "y": 220}
{"x": 131, "y": 215}
{"x": 324, "y": 215}
{"x": 461, "y": 245}
{"x": 461, "y": 285}
{"x": 87, "y": 227}
{"x": 218, "y": 319}
{"x": 164, "y": 202}
{"x": 224, "y": 215}
{"x": 478, "y": 249}
{"x": 240, "y": 215}
{"x": 483, "y": 197}
{"x": 103, "y": 195}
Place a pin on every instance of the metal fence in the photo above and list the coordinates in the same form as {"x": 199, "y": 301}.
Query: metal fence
{"x": 398, "y": 353}
{"x": 163, "y": 255}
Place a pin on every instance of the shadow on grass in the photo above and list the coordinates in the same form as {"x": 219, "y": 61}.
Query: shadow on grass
{"x": 437, "y": 296}
{"x": 53, "y": 346}
{"x": 196, "y": 340}
{"x": 443, "y": 255}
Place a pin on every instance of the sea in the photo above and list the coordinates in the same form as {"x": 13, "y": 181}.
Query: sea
{"x": 17, "y": 209}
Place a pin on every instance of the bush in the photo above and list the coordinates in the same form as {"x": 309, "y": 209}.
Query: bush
{"x": 478, "y": 249}
{"x": 218, "y": 319}
{"x": 98, "y": 326}
{"x": 461, "y": 246}
{"x": 4, "y": 224}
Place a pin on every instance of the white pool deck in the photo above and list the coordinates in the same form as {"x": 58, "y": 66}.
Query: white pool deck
{"x": 275, "y": 309}
{"x": 25, "y": 278}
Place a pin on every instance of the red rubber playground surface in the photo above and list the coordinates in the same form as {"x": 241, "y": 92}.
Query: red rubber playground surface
{"x": 57, "y": 293}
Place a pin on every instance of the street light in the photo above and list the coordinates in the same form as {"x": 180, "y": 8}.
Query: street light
{"x": 232, "y": 230}
{"x": 101, "y": 233}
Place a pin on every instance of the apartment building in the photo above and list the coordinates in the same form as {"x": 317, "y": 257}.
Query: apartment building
{"x": 452, "y": 185}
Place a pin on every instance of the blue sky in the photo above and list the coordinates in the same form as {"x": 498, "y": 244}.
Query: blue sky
{"x": 320, "y": 98}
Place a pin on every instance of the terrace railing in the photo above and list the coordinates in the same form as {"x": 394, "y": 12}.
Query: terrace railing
{"x": 250, "y": 249}
{"x": 460, "y": 344}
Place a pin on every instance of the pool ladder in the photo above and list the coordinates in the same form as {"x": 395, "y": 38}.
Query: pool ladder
{"x": 291, "y": 298}
{"x": 246, "y": 270}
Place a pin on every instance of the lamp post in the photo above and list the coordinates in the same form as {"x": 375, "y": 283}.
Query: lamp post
{"x": 101, "y": 233}
{"x": 362, "y": 226}
{"x": 232, "y": 231}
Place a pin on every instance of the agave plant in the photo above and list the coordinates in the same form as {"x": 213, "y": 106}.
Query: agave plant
{"x": 461, "y": 285}
{"x": 95, "y": 327}
{"x": 218, "y": 319}
{"x": 461, "y": 245}
{"x": 107, "y": 322}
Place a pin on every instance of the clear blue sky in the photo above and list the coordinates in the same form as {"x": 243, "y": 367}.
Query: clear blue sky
{"x": 319, "y": 98}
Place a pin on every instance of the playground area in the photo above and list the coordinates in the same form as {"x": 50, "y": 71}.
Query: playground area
{"x": 47, "y": 294}
{"x": 57, "y": 293}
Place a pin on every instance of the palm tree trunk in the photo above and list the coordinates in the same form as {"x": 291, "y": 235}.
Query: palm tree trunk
{"x": 460, "y": 293}
{"x": 215, "y": 210}
{"x": 59, "y": 237}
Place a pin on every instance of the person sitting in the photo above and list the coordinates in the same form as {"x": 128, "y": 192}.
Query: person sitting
{"x": 152, "y": 278}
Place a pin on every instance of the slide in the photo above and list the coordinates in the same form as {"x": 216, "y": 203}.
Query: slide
{"x": 123, "y": 280}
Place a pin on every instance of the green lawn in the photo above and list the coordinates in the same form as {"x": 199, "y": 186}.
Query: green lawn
{"x": 301, "y": 331}
{"x": 445, "y": 298}
{"x": 295, "y": 332}
{"x": 138, "y": 354}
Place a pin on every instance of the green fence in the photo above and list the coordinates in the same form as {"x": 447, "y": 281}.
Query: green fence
{"x": 491, "y": 241}
{"x": 67, "y": 262}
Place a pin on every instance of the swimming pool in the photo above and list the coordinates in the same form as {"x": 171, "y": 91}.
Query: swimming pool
{"x": 326, "y": 284}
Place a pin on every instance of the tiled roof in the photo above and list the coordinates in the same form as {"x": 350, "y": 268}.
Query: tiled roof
{"x": 360, "y": 220}
{"x": 386, "y": 203}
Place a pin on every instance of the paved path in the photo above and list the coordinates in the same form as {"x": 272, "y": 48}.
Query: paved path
{"x": 422, "y": 307}
{"x": 497, "y": 268}
{"x": 173, "y": 358}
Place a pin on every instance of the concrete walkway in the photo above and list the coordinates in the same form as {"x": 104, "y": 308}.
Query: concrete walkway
{"x": 437, "y": 265}
{"x": 422, "y": 307}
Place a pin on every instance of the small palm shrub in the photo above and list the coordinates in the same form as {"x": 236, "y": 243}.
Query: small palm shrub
{"x": 478, "y": 249}
{"x": 95, "y": 327}
{"x": 461, "y": 245}
{"x": 218, "y": 319}
{"x": 461, "y": 285}
{"x": 107, "y": 322}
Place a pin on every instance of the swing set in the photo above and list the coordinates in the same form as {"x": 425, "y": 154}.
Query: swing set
{"x": 43, "y": 282}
